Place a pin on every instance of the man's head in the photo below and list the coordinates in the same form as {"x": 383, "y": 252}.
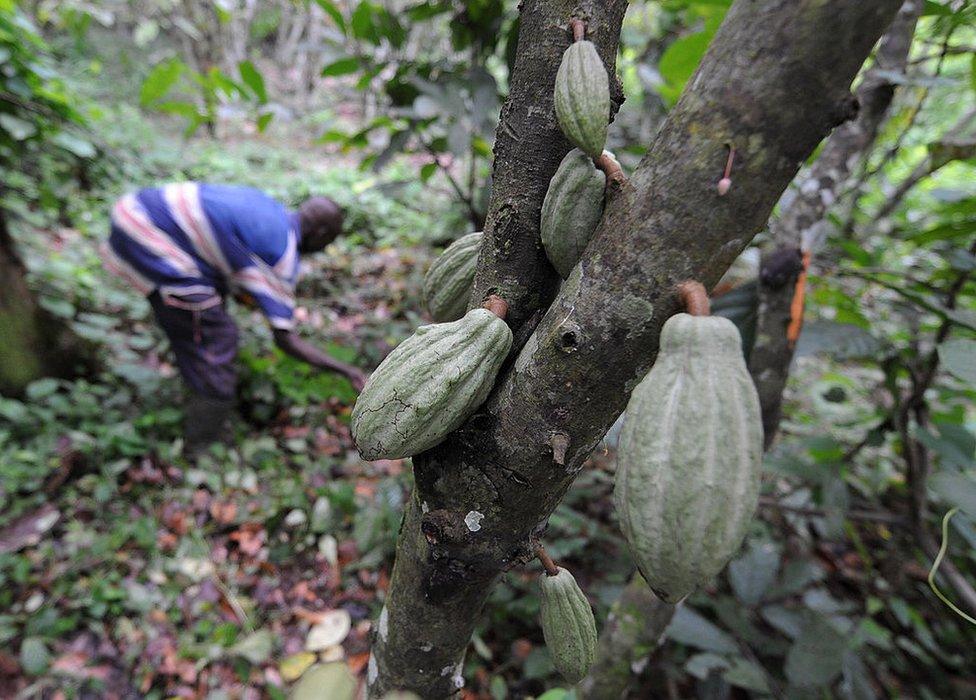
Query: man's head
{"x": 321, "y": 223}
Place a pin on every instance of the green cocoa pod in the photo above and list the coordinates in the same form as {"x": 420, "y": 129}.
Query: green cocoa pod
{"x": 429, "y": 385}
{"x": 332, "y": 680}
{"x": 571, "y": 210}
{"x": 582, "y": 97}
{"x": 447, "y": 284}
{"x": 567, "y": 625}
{"x": 689, "y": 458}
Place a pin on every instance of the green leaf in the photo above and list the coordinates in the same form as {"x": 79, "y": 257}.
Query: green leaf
{"x": 332, "y": 11}
{"x": 34, "y": 656}
{"x": 753, "y": 572}
{"x": 957, "y": 489}
{"x": 958, "y": 356}
{"x": 702, "y": 665}
{"x": 935, "y": 8}
{"x": 841, "y": 341}
{"x": 427, "y": 171}
{"x": 344, "y": 66}
{"x": 146, "y": 31}
{"x": 817, "y": 656}
{"x": 74, "y": 144}
{"x": 427, "y": 10}
{"x": 681, "y": 58}
{"x": 159, "y": 81}
{"x": 254, "y": 80}
{"x": 745, "y": 674}
{"x": 19, "y": 129}
{"x": 691, "y": 629}
{"x": 332, "y": 136}
{"x": 255, "y": 647}
{"x": 264, "y": 120}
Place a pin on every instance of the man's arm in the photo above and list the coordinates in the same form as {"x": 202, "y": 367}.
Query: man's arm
{"x": 291, "y": 344}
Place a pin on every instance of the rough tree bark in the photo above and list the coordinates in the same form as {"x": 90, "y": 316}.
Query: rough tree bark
{"x": 816, "y": 192}
{"x": 483, "y": 494}
{"x": 33, "y": 343}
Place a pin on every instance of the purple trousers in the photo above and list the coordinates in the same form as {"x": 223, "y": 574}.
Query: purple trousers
{"x": 205, "y": 344}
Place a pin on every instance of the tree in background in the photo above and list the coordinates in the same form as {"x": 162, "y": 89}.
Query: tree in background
{"x": 39, "y": 130}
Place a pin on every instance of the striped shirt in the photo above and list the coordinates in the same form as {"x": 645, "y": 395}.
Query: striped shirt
{"x": 195, "y": 243}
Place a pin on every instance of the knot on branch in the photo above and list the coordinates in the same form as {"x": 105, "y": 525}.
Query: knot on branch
{"x": 781, "y": 267}
{"x": 442, "y": 527}
{"x": 845, "y": 110}
{"x": 570, "y": 335}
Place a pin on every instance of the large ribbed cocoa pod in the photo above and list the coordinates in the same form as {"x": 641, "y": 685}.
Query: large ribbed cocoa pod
{"x": 689, "y": 457}
{"x": 447, "y": 284}
{"x": 571, "y": 210}
{"x": 429, "y": 385}
{"x": 567, "y": 625}
{"x": 582, "y": 97}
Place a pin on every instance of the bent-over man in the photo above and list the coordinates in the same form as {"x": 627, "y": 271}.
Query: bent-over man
{"x": 187, "y": 246}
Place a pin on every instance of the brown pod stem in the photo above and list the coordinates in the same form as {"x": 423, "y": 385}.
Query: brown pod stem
{"x": 695, "y": 298}
{"x": 496, "y": 305}
{"x": 725, "y": 184}
{"x": 547, "y": 563}
{"x": 579, "y": 29}
{"x": 611, "y": 168}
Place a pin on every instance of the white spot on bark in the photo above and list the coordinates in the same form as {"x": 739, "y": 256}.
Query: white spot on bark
{"x": 473, "y": 520}
{"x": 384, "y": 627}
{"x": 372, "y": 672}
{"x": 458, "y": 678}
{"x": 424, "y": 508}
{"x": 447, "y": 670}
{"x": 426, "y": 646}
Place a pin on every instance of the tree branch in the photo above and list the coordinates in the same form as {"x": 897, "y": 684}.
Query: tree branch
{"x": 773, "y": 351}
{"x": 529, "y": 146}
{"x": 482, "y": 494}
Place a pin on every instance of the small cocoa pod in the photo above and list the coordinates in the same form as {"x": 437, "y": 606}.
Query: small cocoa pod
{"x": 567, "y": 625}
{"x": 447, "y": 284}
{"x": 582, "y": 97}
{"x": 689, "y": 458}
{"x": 429, "y": 385}
{"x": 571, "y": 210}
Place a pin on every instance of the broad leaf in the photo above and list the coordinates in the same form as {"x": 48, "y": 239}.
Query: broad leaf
{"x": 343, "y": 66}
{"x": 753, "y": 572}
{"x": 957, "y": 489}
{"x": 254, "y": 80}
{"x": 817, "y": 656}
{"x": 159, "y": 81}
{"x": 690, "y": 628}
{"x": 958, "y": 356}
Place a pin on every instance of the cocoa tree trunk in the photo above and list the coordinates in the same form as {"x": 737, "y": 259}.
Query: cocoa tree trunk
{"x": 33, "y": 343}
{"x": 775, "y": 80}
{"x": 816, "y": 191}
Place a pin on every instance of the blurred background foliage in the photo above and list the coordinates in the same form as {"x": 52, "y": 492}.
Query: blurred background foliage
{"x": 125, "y": 570}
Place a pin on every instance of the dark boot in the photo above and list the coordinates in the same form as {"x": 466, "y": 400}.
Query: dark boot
{"x": 206, "y": 420}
